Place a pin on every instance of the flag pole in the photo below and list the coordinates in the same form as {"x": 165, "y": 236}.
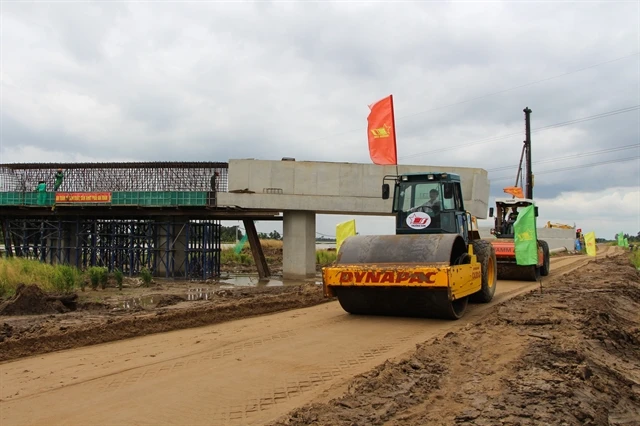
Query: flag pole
{"x": 393, "y": 128}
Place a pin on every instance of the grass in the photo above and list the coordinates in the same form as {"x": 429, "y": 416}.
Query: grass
{"x": 325, "y": 257}
{"x": 635, "y": 258}
{"x": 271, "y": 249}
{"x": 15, "y": 271}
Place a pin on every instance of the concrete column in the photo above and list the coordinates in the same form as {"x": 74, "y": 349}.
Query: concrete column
{"x": 172, "y": 236}
{"x": 299, "y": 239}
{"x": 180, "y": 246}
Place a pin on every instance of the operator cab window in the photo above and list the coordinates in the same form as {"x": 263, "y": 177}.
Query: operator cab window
{"x": 416, "y": 195}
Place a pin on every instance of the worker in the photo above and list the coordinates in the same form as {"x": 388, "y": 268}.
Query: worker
{"x": 42, "y": 192}
{"x": 432, "y": 203}
{"x": 59, "y": 178}
{"x": 214, "y": 182}
{"x": 433, "y": 200}
{"x": 512, "y": 220}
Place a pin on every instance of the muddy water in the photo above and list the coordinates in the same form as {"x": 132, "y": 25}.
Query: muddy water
{"x": 208, "y": 292}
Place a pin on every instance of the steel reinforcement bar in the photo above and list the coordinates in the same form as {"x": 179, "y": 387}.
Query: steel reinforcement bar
{"x": 96, "y": 177}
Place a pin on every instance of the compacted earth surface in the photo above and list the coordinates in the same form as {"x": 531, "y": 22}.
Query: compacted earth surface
{"x": 33, "y": 322}
{"x": 567, "y": 354}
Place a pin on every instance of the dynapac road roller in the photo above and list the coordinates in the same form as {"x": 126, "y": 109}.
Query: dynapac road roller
{"x": 432, "y": 267}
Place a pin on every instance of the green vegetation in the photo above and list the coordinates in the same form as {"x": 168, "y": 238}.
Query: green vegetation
{"x": 325, "y": 257}
{"x": 15, "y": 271}
{"x": 146, "y": 276}
{"x": 97, "y": 275}
{"x": 119, "y": 276}
{"x": 635, "y": 258}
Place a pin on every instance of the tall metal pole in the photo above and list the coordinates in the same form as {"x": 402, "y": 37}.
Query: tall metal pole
{"x": 529, "y": 187}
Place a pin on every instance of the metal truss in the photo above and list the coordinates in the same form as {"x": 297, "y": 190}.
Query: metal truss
{"x": 112, "y": 177}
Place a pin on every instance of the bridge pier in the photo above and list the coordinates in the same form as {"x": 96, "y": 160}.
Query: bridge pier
{"x": 299, "y": 244}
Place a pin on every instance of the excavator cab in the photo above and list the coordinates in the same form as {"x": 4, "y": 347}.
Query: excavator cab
{"x": 506, "y": 214}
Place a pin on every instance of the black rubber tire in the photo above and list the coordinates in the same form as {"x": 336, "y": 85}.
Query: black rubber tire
{"x": 486, "y": 255}
{"x": 544, "y": 269}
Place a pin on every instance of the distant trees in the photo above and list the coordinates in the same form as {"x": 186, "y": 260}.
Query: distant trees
{"x": 228, "y": 234}
{"x": 273, "y": 235}
{"x": 629, "y": 237}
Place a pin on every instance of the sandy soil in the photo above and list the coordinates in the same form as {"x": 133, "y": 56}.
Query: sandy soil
{"x": 105, "y": 316}
{"x": 566, "y": 355}
{"x": 34, "y": 323}
{"x": 242, "y": 372}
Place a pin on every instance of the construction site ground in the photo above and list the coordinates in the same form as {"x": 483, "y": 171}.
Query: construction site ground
{"x": 564, "y": 352}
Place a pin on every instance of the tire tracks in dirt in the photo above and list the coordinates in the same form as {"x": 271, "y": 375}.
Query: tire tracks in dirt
{"x": 248, "y": 371}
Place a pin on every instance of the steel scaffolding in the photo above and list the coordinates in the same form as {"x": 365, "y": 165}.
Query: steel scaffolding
{"x": 169, "y": 247}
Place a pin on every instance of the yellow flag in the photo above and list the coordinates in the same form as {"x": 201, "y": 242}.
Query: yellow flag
{"x": 590, "y": 243}
{"x": 344, "y": 230}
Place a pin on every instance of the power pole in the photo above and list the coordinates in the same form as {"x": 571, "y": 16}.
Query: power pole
{"x": 527, "y": 142}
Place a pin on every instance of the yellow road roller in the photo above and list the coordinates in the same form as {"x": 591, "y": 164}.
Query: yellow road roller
{"x": 432, "y": 267}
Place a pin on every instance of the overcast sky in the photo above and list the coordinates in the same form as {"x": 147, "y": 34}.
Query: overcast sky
{"x": 109, "y": 81}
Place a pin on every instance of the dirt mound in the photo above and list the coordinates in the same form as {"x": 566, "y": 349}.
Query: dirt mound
{"x": 31, "y": 300}
{"x": 169, "y": 300}
{"x": 566, "y": 355}
{"x": 376, "y": 396}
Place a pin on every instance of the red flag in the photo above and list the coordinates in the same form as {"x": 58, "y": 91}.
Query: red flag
{"x": 516, "y": 191}
{"x": 381, "y": 131}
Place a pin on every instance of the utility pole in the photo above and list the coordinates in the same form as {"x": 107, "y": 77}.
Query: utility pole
{"x": 527, "y": 142}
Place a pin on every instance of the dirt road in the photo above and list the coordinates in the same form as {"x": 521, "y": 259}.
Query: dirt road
{"x": 249, "y": 371}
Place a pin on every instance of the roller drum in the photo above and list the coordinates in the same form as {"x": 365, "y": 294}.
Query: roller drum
{"x": 514, "y": 272}
{"x": 401, "y": 249}
{"x": 414, "y": 249}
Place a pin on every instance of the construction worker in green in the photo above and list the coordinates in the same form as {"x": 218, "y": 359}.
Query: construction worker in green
{"x": 42, "y": 193}
{"x": 59, "y": 178}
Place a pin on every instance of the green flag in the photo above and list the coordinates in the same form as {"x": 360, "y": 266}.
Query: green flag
{"x": 526, "y": 245}
{"x": 241, "y": 243}
{"x": 626, "y": 243}
{"x": 621, "y": 239}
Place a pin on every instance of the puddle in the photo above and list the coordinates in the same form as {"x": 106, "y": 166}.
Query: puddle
{"x": 254, "y": 281}
{"x": 207, "y": 293}
{"x": 198, "y": 294}
{"x": 140, "y": 302}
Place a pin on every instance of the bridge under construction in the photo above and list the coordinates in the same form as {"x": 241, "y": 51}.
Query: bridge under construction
{"x": 166, "y": 216}
{"x": 160, "y": 216}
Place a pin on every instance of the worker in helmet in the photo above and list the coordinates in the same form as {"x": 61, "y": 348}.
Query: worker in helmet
{"x": 59, "y": 177}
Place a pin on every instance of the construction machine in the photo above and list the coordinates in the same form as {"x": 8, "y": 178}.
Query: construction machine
{"x": 558, "y": 225}
{"x": 432, "y": 267}
{"x": 506, "y": 212}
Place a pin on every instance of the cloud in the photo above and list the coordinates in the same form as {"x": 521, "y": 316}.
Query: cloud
{"x": 221, "y": 80}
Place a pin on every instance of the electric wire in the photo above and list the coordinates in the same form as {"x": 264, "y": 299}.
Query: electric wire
{"x": 570, "y": 157}
{"x": 564, "y": 169}
{"x": 538, "y": 129}
{"x": 486, "y": 95}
